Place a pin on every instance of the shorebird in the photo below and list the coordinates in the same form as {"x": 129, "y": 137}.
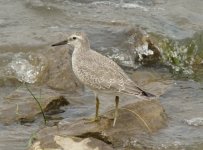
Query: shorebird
{"x": 100, "y": 73}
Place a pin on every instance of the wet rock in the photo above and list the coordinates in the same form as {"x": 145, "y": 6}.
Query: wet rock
{"x": 61, "y": 76}
{"x": 143, "y": 47}
{"x": 136, "y": 48}
{"x": 51, "y": 66}
{"x": 21, "y": 106}
{"x": 128, "y": 126}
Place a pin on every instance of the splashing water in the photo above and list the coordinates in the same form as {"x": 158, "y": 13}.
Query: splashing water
{"x": 140, "y": 45}
{"x": 179, "y": 57}
{"x": 195, "y": 121}
{"x": 26, "y": 67}
{"x": 143, "y": 50}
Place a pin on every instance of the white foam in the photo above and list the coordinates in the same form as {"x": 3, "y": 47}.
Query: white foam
{"x": 143, "y": 50}
{"x": 133, "y": 5}
{"x": 121, "y": 4}
{"x": 195, "y": 121}
{"x": 22, "y": 68}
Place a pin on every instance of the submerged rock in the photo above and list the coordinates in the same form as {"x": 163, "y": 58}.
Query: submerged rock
{"x": 21, "y": 106}
{"x": 101, "y": 134}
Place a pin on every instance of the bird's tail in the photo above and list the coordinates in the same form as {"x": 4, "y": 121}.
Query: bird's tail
{"x": 147, "y": 95}
{"x": 138, "y": 92}
{"x": 133, "y": 89}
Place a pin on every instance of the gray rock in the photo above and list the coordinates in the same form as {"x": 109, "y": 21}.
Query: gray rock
{"x": 61, "y": 76}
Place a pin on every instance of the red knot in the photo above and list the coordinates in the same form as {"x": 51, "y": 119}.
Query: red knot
{"x": 100, "y": 73}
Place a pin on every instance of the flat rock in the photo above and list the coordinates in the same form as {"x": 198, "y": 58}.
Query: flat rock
{"x": 128, "y": 126}
{"x": 68, "y": 143}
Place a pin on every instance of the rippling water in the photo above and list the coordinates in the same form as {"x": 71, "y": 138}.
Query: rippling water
{"x": 28, "y": 27}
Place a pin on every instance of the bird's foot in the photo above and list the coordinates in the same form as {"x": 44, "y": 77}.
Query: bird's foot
{"x": 92, "y": 120}
{"x": 106, "y": 117}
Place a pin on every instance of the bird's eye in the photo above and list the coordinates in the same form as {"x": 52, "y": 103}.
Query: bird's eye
{"x": 74, "y": 38}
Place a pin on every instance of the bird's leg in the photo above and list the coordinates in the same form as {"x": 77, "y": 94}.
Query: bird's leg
{"x": 96, "y": 118}
{"x": 97, "y": 109}
{"x": 116, "y": 110}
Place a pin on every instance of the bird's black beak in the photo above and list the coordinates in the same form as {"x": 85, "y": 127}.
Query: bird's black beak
{"x": 60, "y": 43}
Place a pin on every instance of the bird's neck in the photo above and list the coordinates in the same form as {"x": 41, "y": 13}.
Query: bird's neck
{"x": 79, "y": 53}
{"x": 81, "y": 48}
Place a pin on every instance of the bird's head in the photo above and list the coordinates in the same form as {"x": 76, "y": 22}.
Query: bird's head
{"x": 75, "y": 40}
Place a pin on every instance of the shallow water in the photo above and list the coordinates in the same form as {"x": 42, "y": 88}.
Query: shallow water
{"x": 183, "y": 103}
{"x": 29, "y": 27}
